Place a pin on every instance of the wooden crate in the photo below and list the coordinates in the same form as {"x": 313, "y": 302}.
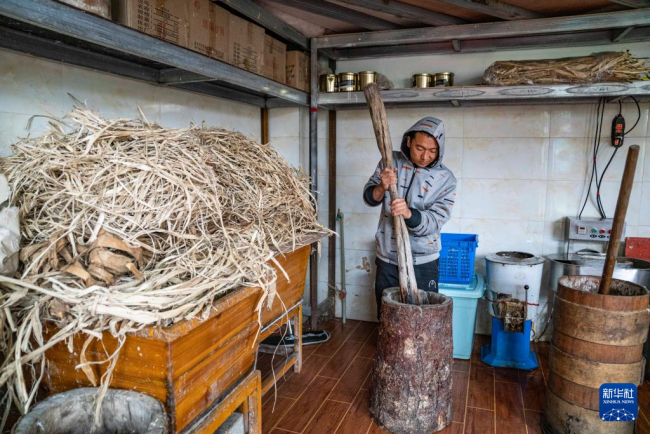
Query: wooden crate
{"x": 191, "y": 365}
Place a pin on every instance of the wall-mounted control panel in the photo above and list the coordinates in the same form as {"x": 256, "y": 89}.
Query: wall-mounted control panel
{"x": 590, "y": 229}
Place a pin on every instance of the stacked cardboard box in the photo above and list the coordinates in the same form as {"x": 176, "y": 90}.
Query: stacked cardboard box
{"x": 246, "y": 45}
{"x": 275, "y": 59}
{"x": 298, "y": 70}
{"x": 164, "y": 19}
{"x": 209, "y": 30}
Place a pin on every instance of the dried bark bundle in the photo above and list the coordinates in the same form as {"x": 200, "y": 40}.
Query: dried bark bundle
{"x": 597, "y": 68}
{"x": 127, "y": 224}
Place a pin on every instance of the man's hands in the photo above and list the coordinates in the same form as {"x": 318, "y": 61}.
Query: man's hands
{"x": 388, "y": 178}
{"x": 399, "y": 207}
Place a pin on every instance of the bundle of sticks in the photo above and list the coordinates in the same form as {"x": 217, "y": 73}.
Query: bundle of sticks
{"x": 127, "y": 224}
{"x": 597, "y": 68}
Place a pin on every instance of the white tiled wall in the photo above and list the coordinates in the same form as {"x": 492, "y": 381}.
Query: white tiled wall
{"x": 521, "y": 169}
{"x": 31, "y": 86}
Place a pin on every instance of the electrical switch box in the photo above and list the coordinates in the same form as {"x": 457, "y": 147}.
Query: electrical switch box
{"x": 590, "y": 229}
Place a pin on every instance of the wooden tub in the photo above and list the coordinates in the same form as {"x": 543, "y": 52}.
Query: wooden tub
{"x": 191, "y": 365}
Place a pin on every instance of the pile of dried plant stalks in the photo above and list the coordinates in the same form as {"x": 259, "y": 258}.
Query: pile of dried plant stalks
{"x": 127, "y": 224}
{"x": 597, "y": 68}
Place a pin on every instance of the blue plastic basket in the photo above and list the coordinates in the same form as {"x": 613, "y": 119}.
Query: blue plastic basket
{"x": 457, "y": 258}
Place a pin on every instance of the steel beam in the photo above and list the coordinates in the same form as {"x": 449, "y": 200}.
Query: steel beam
{"x": 544, "y": 26}
{"x": 264, "y": 18}
{"x": 340, "y": 13}
{"x": 619, "y": 34}
{"x": 601, "y": 37}
{"x": 633, "y": 3}
{"x": 494, "y": 8}
{"x": 313, "y": 173}
{"x": 490, "y": 93}
{"x": 23, "y": 42}
{"x": 222, "y": 92}
{"x": 407, "y": 11}
{"x": 74, "y": 23}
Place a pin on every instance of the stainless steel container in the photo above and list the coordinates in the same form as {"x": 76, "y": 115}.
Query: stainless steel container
{"x": 347, "y": 82}
{"x": 629, "y": 269}
{"x": 365, "y": 78}
{"x": 422, "y": 81}
{"x": 442, "y": 79}
{"x": 328, "y": 83}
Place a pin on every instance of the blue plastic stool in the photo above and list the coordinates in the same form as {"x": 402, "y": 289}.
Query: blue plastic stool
{"x": 509, "y": 349}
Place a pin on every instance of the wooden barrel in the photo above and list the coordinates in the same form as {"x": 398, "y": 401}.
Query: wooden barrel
{"x": 596, "y": 339}
{"x": 411, "y": 380}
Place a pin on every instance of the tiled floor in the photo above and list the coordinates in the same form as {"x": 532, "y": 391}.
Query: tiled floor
{"x": 331, "y": 396}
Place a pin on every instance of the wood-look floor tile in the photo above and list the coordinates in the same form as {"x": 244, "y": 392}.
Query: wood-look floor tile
{"x": 461, "y": 365}
{"x": 543, "y": 350}
{"x": 533, "y": 389}
{"x": 281, "y": 431}
{"x": 459, "y": 395}
{"x": 481, "y": 388}
{"x": 352, "y": 380}
{"x": 644, "y": 395}
{"x": 289, "y": 390}
{"x": 509, "y": 409}
{"x": 506, "y": 375}
{"x": 370, "y": 347}
{"x": 341, "y": 360}
{"x": 308, "y": 405}
{"x": 273, "y": 410}
{"x": 328, "y": 418}
{"x": 479, "y": 421}
{"x": 357, "y": 420}
{"x": 362, "y": 332}
{"x": 534, "y": 421}
{"x": 340, "y": 334}
{"x": 310, "y": 368}
{"x": 479, "y": 341}
{"x": 366, "y": 384}
{"x": 452, "y": 428}
{"x": 376, "y": 429}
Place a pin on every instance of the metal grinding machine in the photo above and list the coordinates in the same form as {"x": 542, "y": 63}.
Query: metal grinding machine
{"x": 513, "y": 282}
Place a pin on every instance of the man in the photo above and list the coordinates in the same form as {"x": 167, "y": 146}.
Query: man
{"x": 427, "y": 192}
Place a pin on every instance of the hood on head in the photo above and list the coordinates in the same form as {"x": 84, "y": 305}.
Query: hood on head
{"x": 430, "y": 125}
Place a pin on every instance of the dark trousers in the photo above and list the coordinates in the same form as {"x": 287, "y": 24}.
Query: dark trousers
{"x": 387, "y": 276}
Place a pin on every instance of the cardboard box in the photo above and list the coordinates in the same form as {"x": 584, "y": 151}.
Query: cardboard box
{"x": 246, "y": 44}
{"x": 298, "y": 70}
{"x": 209, "y": 27}
{"x": 163, "y": 19}
{"x": 275, "y": 59}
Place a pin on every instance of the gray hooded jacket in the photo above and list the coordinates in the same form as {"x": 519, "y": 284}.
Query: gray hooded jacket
{"x": 429, "y": 192}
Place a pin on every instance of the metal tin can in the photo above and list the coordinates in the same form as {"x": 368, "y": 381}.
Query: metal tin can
{"x": 443, "y": 79}
{"x": 347, "y": 82}
{"x": 366, "y": 77}
{"x": 422, "y": 80}
{"x": 328, "y": 83}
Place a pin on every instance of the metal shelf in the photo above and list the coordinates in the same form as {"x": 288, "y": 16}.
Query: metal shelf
{"x": 484, "y": 95}
{"x": 51, "y": 30}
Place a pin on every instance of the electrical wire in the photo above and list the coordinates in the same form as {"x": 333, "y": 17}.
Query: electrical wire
{"x": 594, "y": 169}
{"x": 600, "y": 113}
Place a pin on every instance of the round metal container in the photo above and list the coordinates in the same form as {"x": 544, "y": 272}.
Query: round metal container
{"x": 347, "y": 82}
{"x": 442, "y": 79}
{"x": 516, "y": 275}
{"x": 328, "y": 83}
{"x": 628, "y": 269}
{"x": 366, "y": 77}
{"x": 422, "y": 81}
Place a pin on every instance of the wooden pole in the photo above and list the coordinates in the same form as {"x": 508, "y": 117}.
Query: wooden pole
{"x": 408, "y": 284}
{"x": 619, "y": 218}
